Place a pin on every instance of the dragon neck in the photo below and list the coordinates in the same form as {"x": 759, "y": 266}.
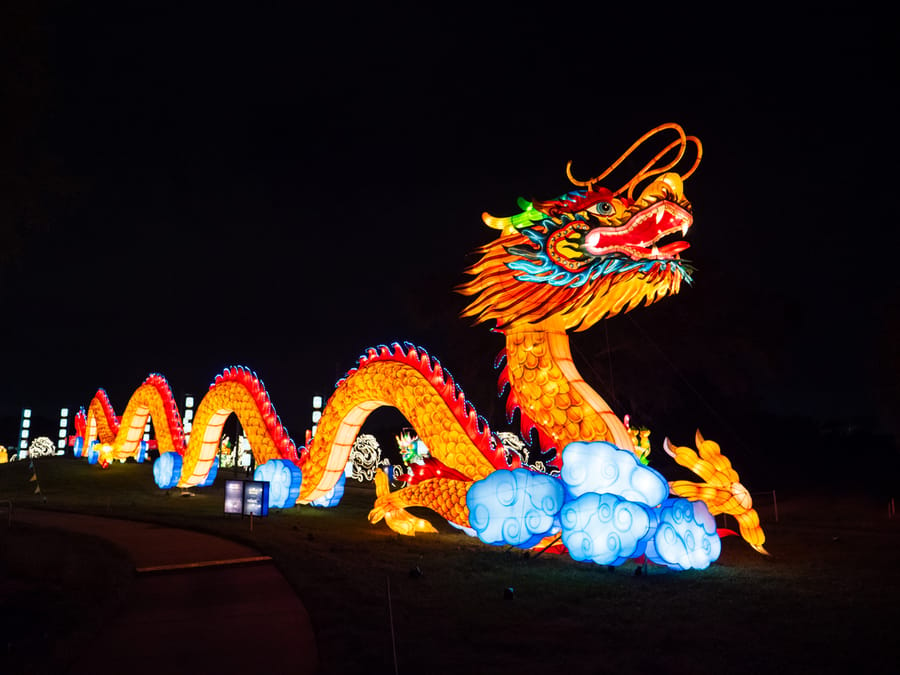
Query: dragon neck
{"x": 551, "y": 392}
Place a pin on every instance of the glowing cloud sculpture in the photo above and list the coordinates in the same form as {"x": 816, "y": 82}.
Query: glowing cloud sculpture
{"x": 237, "y": 391}
{"x": 685, "y": 536}
{"x": 167, "y": 470}
{"x": 284, "y": 482}
{"x": 606, "y": 529}
{"x": 558, "y": 265}
{"x": 517, "y": 507}
{"x": 603, "y": 468}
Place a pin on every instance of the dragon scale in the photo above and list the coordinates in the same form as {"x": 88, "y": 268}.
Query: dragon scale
{"x": 407, "y": 379}
{"x": 553, "y": 395}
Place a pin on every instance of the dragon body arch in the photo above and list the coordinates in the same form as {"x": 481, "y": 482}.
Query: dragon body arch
{"x": 558, "y": 265}
{"x": 236, "y": 391}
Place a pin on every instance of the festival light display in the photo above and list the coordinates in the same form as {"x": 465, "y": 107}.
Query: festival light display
{"x": 63, "y": 429}
{"x": 333, "y": 497}
{"x": 284, "y": 478}
{"x": 41, "y": 446}
{"x": 606, "y": 529}
{"x": 365, "y": 458}
{"x": 606, "y": 506}
{"x": 517, "y": 507}
{"x": 167, "y": 470}
{"x": 685, "y": 536}
{"x": 236, "y": 391}
{"x": 559, "y": 265}
{"x": 722, "y": 492}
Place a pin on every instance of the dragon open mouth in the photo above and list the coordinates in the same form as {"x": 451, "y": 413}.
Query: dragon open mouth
{"x": 639, "y": 237}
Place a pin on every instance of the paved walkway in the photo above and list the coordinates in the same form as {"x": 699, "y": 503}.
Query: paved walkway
{"x": 199, "y": 604}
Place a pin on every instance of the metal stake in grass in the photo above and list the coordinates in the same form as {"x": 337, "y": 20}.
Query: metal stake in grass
{"x": 34, "y": 479}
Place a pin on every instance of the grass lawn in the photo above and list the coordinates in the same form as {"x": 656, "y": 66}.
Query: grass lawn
{"x": 826, "y": 600}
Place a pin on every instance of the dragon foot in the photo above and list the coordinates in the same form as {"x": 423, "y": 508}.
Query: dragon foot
{"x": 722, "y": 492}
{"x": 390, "y": 506}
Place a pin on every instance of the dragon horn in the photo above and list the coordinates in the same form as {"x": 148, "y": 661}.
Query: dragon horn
{"x": 625, "y": 155}
{"x": 575, "y": 181}
{"x": 667, "y": 446}
{"x": 513, "y": 223}
{"x": 695, "y": 141}
{"x": 496, "y": 223}
{"x": 698, "y": 437}
{"x": 651, "y": 168}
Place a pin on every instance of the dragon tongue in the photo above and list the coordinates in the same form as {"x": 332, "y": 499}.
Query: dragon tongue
{"x": 671, "y": 250}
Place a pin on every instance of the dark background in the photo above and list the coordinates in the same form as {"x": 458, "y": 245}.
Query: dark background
{"x": 186, "y": 190}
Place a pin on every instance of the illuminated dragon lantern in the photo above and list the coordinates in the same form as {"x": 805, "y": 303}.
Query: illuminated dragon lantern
{"x": 557, "y": 266}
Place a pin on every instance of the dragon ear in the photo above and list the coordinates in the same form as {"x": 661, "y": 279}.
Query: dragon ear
{"x": 698, "y": 437}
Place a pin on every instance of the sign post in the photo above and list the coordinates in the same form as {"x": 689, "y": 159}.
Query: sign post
{"x": 247, "y": 497}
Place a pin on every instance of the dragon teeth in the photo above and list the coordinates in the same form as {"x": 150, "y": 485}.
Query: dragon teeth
{"x": 660, "y": 212}
{"x": 684, "y": 228}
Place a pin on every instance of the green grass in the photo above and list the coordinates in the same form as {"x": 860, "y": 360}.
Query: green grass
{"x": 825, "y": 601}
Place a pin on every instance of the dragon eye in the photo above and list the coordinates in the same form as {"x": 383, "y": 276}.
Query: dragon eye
{"x": 604, "y": 208}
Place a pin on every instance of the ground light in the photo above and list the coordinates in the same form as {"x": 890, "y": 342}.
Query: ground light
{"x": 63, "y": 430}
{"x": 24, "y": 432}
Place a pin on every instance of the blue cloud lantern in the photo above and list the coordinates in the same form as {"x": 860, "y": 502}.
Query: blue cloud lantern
{"x": 608, "y": 507}
{"x": 284, "y": 478}
{"x": 601, "y": 467}
{"x": 685, "y": 537}
{"x": 517, "y": 507}
{"x": 605, "y": 529}
{"x": 167, "y": 470}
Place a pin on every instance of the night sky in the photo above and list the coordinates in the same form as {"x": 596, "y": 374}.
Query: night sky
{"x": 184, "y": 191}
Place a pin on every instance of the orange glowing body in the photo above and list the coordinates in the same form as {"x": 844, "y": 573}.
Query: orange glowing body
{"x": 236, "y": 391}
{"x": 558, "y": 266}
{"x": 409, "y": 380}
{"x": 553, "y": 394}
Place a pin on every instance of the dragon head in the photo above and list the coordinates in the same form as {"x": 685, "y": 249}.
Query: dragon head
{"x": 589, "y": 254}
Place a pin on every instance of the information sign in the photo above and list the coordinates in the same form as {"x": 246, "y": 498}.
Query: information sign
{"x": 247, "y": 497}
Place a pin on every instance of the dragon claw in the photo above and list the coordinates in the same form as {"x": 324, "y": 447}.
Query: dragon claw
{"x": 721, "y": 490}
{"x": 390, "y": 507}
